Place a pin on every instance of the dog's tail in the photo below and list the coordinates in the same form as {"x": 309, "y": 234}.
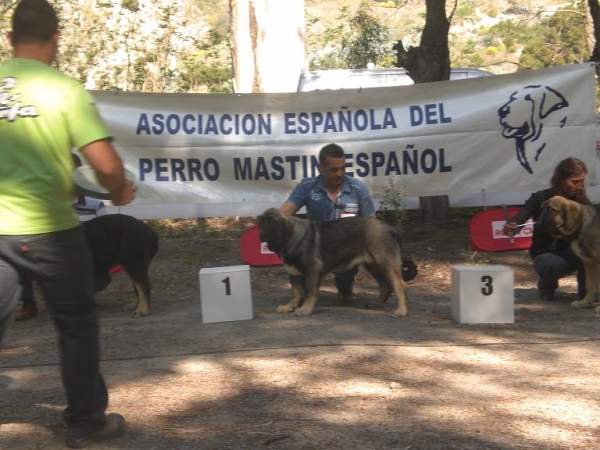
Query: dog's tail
{"x": 409, "y": 270}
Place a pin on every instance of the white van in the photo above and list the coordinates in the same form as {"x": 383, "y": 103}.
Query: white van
{"x": 319, "y": 80}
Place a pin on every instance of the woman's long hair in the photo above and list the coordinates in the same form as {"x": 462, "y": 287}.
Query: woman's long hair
{"x": 567, "y": 168}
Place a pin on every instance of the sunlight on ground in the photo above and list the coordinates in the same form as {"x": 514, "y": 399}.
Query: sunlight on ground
{"x": 29, "y": 379}
{"x": 18, "y": 430}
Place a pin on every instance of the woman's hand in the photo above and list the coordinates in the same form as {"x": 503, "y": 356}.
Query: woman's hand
{"x": 509, "y": 229}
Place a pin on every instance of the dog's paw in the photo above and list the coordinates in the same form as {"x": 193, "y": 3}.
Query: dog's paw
{"x": 285, "y": 308}
{"x": 401, "y": 313}
{"x": 580, "y": 304}
{"x": 139, "y": 313}
{"x": 303, "y": 312}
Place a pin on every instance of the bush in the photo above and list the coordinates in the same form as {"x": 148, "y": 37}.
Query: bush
{"x": 392, "y": 207}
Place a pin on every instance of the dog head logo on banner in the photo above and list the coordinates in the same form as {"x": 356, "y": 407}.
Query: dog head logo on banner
{"x": 524, "y": 117}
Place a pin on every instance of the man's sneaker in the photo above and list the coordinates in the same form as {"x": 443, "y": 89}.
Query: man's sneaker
{"x": 27, "y": 311}
{"x": 114, "y": 428}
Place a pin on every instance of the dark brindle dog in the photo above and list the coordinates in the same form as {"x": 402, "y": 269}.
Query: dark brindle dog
{"x": 310, "y": 250}
{"x": 126, "y": 241}
{"x": 579, "y": 224}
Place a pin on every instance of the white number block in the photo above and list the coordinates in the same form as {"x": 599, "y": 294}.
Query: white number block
{"x": 225, "y": 294}
{"x": 482, "y": 294}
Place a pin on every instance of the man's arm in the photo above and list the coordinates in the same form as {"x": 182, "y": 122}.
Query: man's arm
{"x": 366, "y": 206}
{"x": 296, "y": 200}
{"x": 289, "y": 207}
{"x": 109, "y": 169}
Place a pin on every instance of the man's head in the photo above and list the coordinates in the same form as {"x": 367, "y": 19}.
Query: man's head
{"x": 332, "y": 164}
{"x": 34, "y": 23}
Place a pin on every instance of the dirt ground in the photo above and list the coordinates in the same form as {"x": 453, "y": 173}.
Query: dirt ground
{"x": 346, "y": 377}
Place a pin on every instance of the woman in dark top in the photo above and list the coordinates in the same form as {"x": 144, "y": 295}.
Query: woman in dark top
{"x": 553, "y": 258}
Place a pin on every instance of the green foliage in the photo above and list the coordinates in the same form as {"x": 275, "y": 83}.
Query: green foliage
{"x": 492, "y": 12}
{"x": 466, "y": 9}
{"x": 131, "y": 5}
{"x": 351, "y": 43}
{"x": 392, "y": 207}
{"x": 510, "y": 33}
{"x": 558, "y": 40}
{"x": 206, "y": 70}
{"x": 498, "y": 43}
{"x": 196, "y": 76}
{"x": 139, "y": 45}
{"x": 178, "y": 46}
{"x": 367, "y": 40}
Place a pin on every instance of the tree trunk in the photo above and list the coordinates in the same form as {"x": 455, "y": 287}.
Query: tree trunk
{"x": 268, "y": 44}
{"x": 434, "y": 209}
{"x": 243, "y": 46}
{"x": 430, "y": 61}
{"x": 595, "y": 14}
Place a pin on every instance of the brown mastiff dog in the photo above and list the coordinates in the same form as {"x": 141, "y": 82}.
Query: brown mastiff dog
{"x": 310, "y": 250}
{"x": 579, "y": 224}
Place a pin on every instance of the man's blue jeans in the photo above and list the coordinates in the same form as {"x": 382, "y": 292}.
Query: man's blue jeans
{"x": 60, "y": 262}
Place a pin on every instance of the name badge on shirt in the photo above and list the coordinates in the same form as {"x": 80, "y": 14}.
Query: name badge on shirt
{"x": 350, "y": 210}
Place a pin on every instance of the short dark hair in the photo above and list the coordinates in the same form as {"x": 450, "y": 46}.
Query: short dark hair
{"x": 330, "y": 151}
{"x": 33, "y": 21}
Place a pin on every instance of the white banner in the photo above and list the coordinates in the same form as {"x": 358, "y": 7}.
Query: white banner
{"x": 493, "y": 134}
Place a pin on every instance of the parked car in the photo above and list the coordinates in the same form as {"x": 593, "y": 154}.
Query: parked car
{"x": 319, "y": 80}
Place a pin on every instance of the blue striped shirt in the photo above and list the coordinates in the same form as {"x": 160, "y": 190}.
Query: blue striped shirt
{"x": 354, "y": 199}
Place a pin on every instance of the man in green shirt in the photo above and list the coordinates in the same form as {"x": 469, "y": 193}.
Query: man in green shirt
{"x": 43, "y": 114}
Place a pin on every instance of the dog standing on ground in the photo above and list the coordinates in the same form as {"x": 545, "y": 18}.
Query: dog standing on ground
{"x": 580, "y": 224}
{"x": 310, "y": 250}
{"x": 117, "y": 239}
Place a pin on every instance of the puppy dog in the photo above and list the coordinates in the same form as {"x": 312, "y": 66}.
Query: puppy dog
{"x": 580, "y": 224}
{"x": 117, "y": 239}
{"x": 310, "y": 250}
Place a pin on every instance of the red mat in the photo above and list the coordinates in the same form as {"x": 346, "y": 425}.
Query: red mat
{"x": 254, "y": 252}
{"x": 485, "y": 229}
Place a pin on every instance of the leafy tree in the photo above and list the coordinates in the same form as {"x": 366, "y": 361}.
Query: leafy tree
{"x": 136, "y": 45}
{"x": 353, "y": 42}
{"x": 558, "y": 40}
{"x": 508, "y": 34}
{"x": 208, "y": 69}
{"x": 324, "y": 44}
{"x": 367, "y": 40}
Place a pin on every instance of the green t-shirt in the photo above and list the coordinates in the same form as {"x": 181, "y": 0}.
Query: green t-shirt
{"x": 43, "y": 115}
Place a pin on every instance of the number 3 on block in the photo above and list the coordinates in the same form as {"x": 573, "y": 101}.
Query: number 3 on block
{"x": 487, "y": 287}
